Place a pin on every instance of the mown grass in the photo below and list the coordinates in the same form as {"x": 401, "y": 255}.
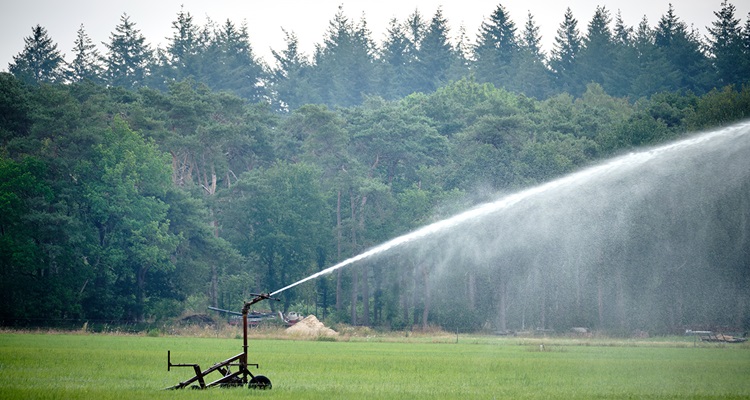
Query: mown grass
{"x": 86, "y": 366}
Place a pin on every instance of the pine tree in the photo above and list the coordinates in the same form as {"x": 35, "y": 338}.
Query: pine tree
{"x": 496, "y": 48}
{"x": 726, "y": 48}
{"x": 565, "y": 54}
{"x": 87, "y": 63}
{"x": 39, "y": 61}
{"x": 128, "y": 56}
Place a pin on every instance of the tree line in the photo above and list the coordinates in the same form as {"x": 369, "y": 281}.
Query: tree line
{"x": 133, "y": 203}
{"x": 416, "y": 55}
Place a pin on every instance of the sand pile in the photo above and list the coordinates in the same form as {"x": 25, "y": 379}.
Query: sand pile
{"x": 310, "y": 326}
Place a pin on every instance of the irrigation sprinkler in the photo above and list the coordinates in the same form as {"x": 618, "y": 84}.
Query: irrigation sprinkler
{"x": 228, "y": 377}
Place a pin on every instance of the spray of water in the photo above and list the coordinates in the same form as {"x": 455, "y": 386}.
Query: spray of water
{"x": 613, "y": 166}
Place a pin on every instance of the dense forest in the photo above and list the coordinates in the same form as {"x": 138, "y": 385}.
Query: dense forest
{"x": 142, "y": 184}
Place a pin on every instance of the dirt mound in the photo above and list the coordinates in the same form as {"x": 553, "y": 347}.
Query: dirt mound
{"x": 310, "y": 326}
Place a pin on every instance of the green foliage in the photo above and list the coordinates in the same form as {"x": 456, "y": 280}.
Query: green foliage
{"x": 218, "y": 180}
{"x": 416, "y": 56}
{"x": 720, "y": 107}
{"x": 14, "y": 108}
{"x": 277, "y": 215}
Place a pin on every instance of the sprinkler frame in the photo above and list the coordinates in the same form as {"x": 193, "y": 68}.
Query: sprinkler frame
{"x": 229, "y": 378}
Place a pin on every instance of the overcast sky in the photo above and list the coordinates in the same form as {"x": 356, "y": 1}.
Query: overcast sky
{"x": 309, "y": 19}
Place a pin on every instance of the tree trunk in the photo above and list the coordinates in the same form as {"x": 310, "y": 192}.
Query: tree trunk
{"x": 426, "y": 310}
{"x": 472, "y": 290}
{"x": 543, "y": 311}
{"x": 140, "y": 292}
{"x": 353, "y": 307}
{"x": 600, "y": 298}
{"x": 404, "y": 294}
{"x": 365, "y": 296}
{"x": 502, "y": 298}
{"x": 355, "y": 284}
{"x": 339, "y": 294}
{"x": 214, "y": 288}
{"x": 620, "y": 300}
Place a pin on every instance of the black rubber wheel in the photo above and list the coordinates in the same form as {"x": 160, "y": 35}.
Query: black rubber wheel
{"x": 259, "y": 382}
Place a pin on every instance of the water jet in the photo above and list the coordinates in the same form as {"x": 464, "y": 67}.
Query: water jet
{"x": 662, "y": 212}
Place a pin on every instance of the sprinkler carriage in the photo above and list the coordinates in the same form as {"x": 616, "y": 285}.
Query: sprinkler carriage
{"x": 228, "y": 378}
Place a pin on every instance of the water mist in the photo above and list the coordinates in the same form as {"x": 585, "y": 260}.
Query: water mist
{"x": 651, "y": 239}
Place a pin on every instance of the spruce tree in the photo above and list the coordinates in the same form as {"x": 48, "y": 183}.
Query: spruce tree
{"x": 496, "y": 48}
{"x": 565, "y": 54}
{"x": 683, "y": 49}
{"x": 128, "y": 56}
{"x": 230, "y": 64}
{"x": 344, "y": 64}
{"x": 531, "y": 39}
{"x": 532, "y": 77}
{"x": 654, "y": 72}
{"x": 87, "y": 63}
{"x": 461, "y": 66}
{"x": 415, "y": 28}
{"x": 625, "y": 58}
{"x": 185, "y": 48}
{"x": 435, "y": 55}
{"x": 393, "y": 73}
{"x": 39, "y": 61}
{"x": 596, "y": 60}
{"x": 288, "y": 78}
{"x": 726, "y": 48}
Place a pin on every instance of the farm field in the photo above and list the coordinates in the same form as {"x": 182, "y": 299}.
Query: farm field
{"x": 93, "y": 366}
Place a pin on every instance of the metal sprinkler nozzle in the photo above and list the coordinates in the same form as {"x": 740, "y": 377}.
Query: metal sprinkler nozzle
{"x": 258, "y": 298}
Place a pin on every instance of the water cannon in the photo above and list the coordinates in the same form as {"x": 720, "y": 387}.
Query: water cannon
{"x": 258, "y": 297}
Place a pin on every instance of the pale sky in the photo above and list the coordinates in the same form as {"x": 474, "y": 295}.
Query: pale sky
{"x": 309, "y": 19}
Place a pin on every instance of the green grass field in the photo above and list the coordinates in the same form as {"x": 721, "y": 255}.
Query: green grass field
{"x": 91, "y": 366}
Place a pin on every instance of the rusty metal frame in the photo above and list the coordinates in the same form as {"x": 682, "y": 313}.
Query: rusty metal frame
{"x": 229, "y": 378}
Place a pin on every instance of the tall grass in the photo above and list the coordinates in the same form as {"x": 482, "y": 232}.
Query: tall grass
{"x": 85, "y": 366}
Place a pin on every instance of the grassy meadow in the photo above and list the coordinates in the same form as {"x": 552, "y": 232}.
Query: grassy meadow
{"x": 96, "y": 366}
